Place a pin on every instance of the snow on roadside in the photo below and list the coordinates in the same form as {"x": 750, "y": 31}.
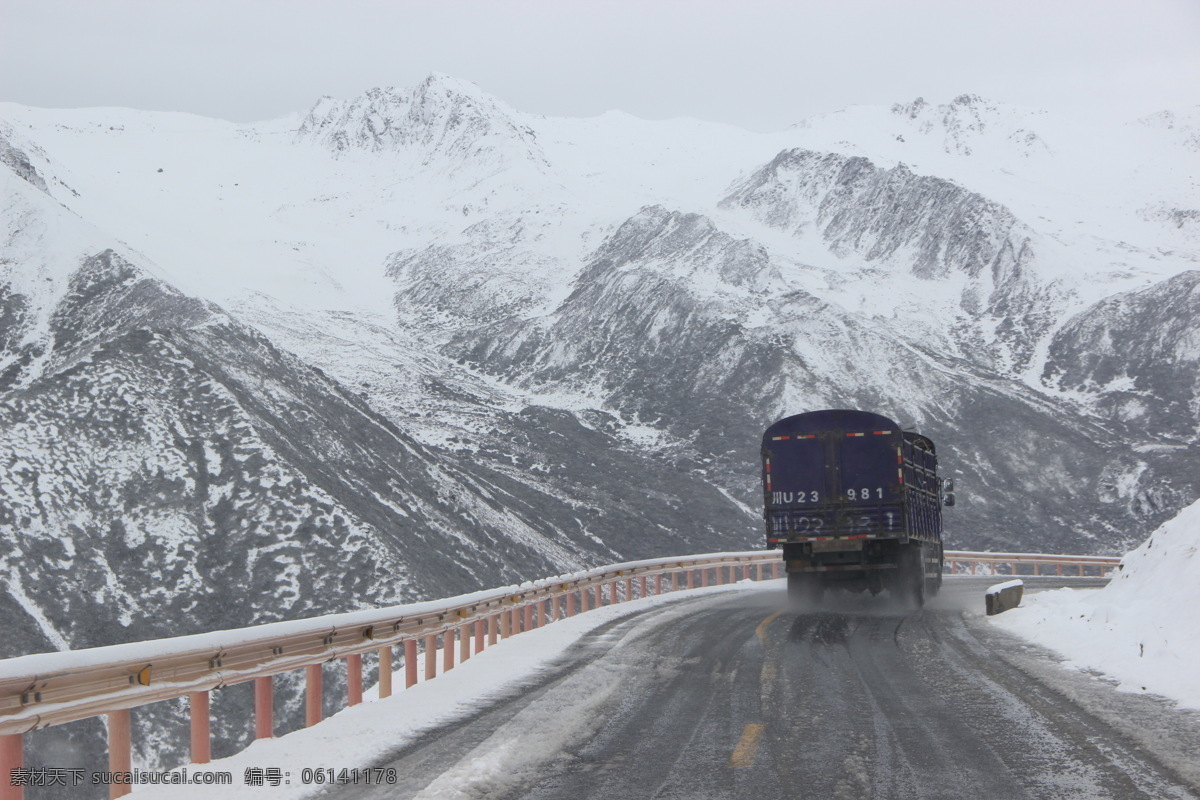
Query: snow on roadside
{"x": 1143, "y": 629}
{"x": 360, "y": 736}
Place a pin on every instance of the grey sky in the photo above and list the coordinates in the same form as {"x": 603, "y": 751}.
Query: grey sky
{"x": 761, "y": 65}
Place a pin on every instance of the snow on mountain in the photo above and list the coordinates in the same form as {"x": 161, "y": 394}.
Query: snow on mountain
{"x": 132, "y": 410}
{"x": 1140, "y": 630}
{"x": 498, "y": 269}
{"x": 874, "y": 213}
{"x": 161, "y": 445}
{"x": 968, "y": 125}
{"x": 962, "y": 122}
{"x": 40, "y": 251}
{"x": 923, "y": 226}
{"x": 1136, "y": 356}
{"x": 168, "y": 469}
{"x": 1183, "y": 126}
{"x": 1185, "y": 220}
{"x": 1176, "y": 208}
{"x": 441, "y": 118}
{"x": 18, "y": 160}
{"x": 1055, "y": 173}
{"x": 678, "y": 324}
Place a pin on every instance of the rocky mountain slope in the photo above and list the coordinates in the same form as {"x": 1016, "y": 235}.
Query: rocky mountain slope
{"x": 166, "y": 469}
{"x": 159, "y": 452}
{"x": 1135, "y": 357}
{"x": 674, "y": 322}
{"x": 920, "y": 225}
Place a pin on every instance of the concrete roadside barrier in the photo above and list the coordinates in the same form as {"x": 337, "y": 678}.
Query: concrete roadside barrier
{"x": 1003, "y": 596}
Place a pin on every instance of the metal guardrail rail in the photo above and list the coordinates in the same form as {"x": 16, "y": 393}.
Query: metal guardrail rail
{"x": 47, "y": 689}
{"x": 991, "y": 563}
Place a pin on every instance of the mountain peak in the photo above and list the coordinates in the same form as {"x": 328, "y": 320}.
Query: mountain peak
{"x": 441, "y": 117}
{"x": 1181, "y": 124}
{"x": 439, "y": 83}
{"x": 968, "y": 119}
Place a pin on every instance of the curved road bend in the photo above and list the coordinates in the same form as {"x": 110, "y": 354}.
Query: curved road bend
{"x": 735, "y": 696}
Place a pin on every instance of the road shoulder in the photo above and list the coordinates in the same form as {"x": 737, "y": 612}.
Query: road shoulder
{"x": 1167, "y": 733}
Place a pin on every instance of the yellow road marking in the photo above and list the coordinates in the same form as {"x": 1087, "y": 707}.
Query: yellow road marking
{"x": 761, "y": 630}
{"x": 747, "y": 746}
{"x": 743, "y": 754}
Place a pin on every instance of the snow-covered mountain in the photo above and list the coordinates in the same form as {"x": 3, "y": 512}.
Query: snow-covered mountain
{"x": 418, "y": 341}
{"x": 159, "y": 451}
{"x": 918, "y": 226}
{"x": 1135, "y": 357}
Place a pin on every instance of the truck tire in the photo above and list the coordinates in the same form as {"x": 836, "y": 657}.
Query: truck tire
{"x": 935, "y": 583}
{"x": 911, "y": 580}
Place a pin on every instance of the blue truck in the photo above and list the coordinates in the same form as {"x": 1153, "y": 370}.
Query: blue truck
{"x": 855, "y": 502}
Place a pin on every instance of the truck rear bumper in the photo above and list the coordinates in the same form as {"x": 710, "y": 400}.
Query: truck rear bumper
{"x": 805, "y": 565}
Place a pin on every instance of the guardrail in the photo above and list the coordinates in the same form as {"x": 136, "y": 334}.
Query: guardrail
{"x": 961, "y": 562}
{"x": 46, "y": 689}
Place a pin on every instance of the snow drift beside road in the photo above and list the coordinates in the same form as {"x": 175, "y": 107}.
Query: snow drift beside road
{"x": 1142, "y": 629}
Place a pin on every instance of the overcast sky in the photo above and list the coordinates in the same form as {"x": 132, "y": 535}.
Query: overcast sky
{"x": 761, "y": 65}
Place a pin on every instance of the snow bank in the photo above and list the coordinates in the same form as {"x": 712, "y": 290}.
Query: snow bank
{"x": 1143, "y": 629}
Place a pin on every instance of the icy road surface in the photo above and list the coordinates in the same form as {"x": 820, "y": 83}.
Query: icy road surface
{"x": 732, "y": 695}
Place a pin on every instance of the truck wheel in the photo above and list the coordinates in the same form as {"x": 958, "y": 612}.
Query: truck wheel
{"x": 805, "y": 590}
{"x": 919, "y": 586}
{"x": 935, "y": 583}
{"x": 912, "y": 579}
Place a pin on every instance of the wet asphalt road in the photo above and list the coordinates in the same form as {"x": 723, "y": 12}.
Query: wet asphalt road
{"x": 739, "y": 696}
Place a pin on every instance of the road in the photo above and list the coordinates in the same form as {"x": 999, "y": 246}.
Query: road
{"x": 736, "y": 696}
